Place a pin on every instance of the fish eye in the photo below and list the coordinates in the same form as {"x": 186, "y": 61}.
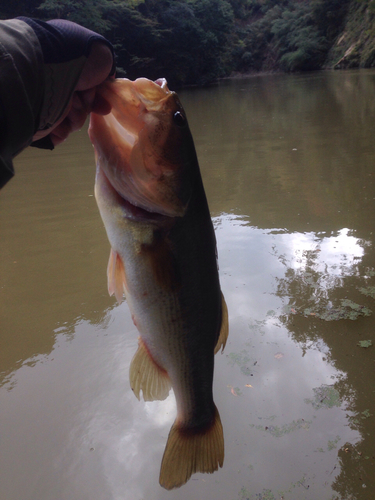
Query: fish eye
{"x": 179, "y": 119}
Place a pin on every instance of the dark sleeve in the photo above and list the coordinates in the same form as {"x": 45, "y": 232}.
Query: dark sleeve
{"x": 65, "y": 46}
{"x": 63, "y": 40}
{"x": 21, "y": 91}
{"x": 6, "y": 167}
{"x": 40, "y": 65}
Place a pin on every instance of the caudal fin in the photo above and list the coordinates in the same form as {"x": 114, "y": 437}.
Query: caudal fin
{"x": 189, "y": 451}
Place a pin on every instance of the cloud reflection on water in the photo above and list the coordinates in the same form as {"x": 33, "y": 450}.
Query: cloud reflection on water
{"x": 110, "y": 445}
{"x": 276, "y": 257}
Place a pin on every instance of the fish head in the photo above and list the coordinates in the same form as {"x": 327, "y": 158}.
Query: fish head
{"x": 144, "y": 146}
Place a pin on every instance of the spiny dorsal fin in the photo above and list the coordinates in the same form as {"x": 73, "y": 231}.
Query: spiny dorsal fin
{"x": 187, "y": 452}
{"x": 146, "y": 376}
{"x": 224, "y": 330}
{"x": 116, "y": 276}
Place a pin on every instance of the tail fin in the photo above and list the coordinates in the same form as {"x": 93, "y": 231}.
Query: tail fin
{"x": 187, "y": 452}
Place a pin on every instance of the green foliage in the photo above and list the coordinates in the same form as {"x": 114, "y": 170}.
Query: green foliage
{"x": 252, "y": 49}
{"x": 328, "y": 16}
{"x": 90, "y": 13}
{"x": 354, "y": 47}
{"x": 284, "y": 35}
{"x": 14, "y": 8}
{"x": 180, "y": 40}
{"x": 300, "y": 44}
{"x": 198, "y": 41}
{"x": 243, "y": 9}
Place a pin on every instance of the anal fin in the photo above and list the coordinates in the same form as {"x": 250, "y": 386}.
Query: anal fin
{"x": 224, "y": 330}
{"x": 189, "y": 451}
{"x": 146, "y": 376}
{"x": 116, "y": 276}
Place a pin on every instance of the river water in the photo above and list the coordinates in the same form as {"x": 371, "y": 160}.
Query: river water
{"x": 288, "y": 166}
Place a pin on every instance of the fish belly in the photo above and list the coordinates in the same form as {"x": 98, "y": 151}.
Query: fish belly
{"x": 168, "y": 273}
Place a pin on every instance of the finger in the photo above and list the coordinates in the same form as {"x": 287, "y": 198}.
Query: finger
{"x": 73, "y": 121}
{"x": 60, "y": 133}
{"x": 97, "y": 67}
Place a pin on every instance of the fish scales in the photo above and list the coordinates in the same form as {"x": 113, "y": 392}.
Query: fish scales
{"x": 163, "y": 258}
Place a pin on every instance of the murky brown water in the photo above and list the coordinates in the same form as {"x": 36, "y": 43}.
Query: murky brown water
{"x": 288, "y": 164}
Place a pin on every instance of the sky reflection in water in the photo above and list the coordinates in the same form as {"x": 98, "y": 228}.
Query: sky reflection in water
{"x": 297, "y": 410}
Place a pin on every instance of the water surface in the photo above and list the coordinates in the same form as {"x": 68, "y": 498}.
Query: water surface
{"x": 288, "y": 166}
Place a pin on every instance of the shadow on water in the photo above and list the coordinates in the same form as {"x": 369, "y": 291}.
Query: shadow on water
{"x": 287, "y": 162}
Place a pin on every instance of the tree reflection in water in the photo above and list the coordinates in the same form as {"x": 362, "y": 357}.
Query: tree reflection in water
{"x": 328, "y": 295}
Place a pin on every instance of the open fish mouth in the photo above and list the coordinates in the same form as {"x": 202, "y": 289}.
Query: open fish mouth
{"x": 140, "y": 145}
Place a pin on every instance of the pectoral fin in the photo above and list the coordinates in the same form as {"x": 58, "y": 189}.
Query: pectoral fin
{"x": 116, "y": 276}
{"x": 224, "y": 330}
{"x": 146, "y": 376}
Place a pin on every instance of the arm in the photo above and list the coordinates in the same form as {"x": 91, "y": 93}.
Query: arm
{"x": 48, "y": 75}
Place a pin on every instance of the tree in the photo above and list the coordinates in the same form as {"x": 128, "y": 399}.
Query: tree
{"x": 329, "y": 15}
{"x": 88, "y": 13}
{"x": 14, "y": 8}
{"x": 300, "y": 44}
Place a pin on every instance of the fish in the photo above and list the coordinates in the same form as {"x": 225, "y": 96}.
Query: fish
{"x": 163, "y": 259}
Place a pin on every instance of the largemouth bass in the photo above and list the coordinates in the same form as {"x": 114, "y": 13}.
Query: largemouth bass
{"x": 151, "y": 198}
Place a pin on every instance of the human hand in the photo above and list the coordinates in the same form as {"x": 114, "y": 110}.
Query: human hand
{"x": 76, "y": 61}
{"x": 85, "y": 98}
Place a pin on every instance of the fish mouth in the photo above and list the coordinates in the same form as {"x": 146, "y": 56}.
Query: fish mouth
{"x": 140, "y": 148}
